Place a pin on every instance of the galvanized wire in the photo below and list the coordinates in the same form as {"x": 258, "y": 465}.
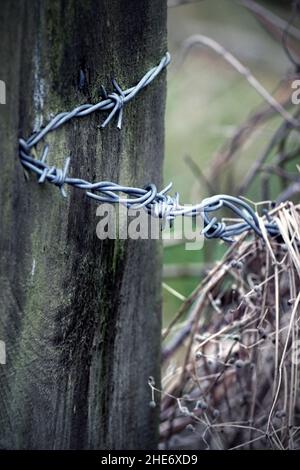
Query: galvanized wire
{"x": 157, "y": 203}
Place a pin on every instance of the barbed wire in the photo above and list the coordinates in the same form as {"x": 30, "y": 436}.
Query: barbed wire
{"x": 159, "y": 204}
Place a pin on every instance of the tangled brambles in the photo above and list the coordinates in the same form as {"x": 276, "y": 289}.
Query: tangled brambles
{"x": 231, "y": 371}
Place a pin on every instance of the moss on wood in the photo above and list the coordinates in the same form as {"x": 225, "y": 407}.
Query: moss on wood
{"x": 80, "y": 316}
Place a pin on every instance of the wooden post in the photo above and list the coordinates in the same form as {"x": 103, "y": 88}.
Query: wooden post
{"x": 80, "y": 317}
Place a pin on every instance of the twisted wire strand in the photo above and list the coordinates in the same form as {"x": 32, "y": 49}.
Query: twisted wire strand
{"x": 159, "y": 204}
{"x": 113, "y": 102}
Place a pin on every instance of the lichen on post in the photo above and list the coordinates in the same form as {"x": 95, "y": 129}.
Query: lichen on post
{"x": 80, "y": 317}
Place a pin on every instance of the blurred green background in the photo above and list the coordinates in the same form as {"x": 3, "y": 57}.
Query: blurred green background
{"x": 207, "y": 100}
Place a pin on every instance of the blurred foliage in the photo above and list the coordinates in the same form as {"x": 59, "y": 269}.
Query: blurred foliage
{"x": 207, "y": 100}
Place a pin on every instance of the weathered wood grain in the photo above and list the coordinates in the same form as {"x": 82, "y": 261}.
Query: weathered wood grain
{"x": 80, "y": 316}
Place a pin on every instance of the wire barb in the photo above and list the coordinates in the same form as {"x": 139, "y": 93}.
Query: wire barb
{"x": 158, "y": 204}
